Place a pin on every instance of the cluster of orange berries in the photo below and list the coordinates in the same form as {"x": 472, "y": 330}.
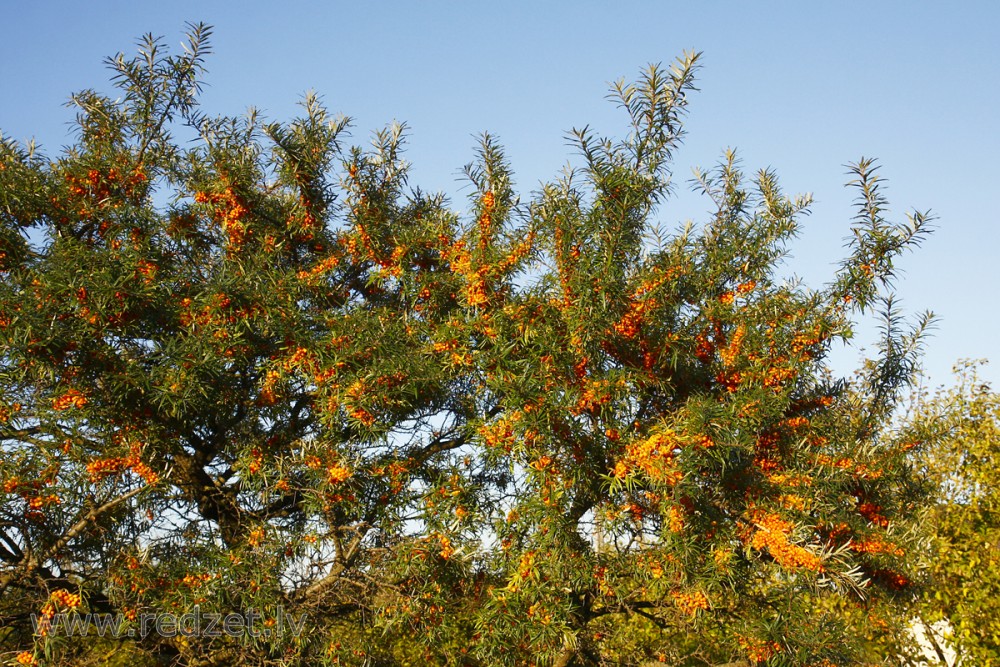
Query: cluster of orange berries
{"x": 722, "y": 557}
{"x": 147, "y": 270}
{"x": 446, "y": 346}
{"x": 874, "y": 545}
{"x": 5, "y": 412}
{"x": 759, "y": 650}
{"x": 102, "y": 468}
{"x": 777, "y": 376}
{"x": 476, "y": 290}
{"x": 39, "y": 502}
{"x": 98, "y": 185}
{"x": 105, "y": 467}
{"x": 310, "y": 222}
{"x": 802, "y": 341}
{"x": 893, "y": 579}
{"x": 195, "y": 580}
{"x": 516, "y": 254}
{"x": 447, "y": 550}
{"x": 355, "y": 393}
{"x": 873, "y": 513}
{"x": 391, "y": 265}
{"x": 300, "y": 358}
{"x": 30, "y": 493}
{"x": 675, "y": 519}
{"x": 767, "y": 452}
{"x": 338, "y": 473}
{"x": 26, "y": 658}
{"x": 321, "y": 268}
{"x": 651, "y": 283}
{"x": 65, "y": 599}
{"x": 206, "y": 316}
{"x": 537, "y": 611}
{"x": 790, "y": 480}
{"x": 460, "y": 359}
{"x": 732, "y": 350}
{"x": 729, "y": 381}
{"x": 543, "y": 463}
{"x": 322, "y": 376}
{"x": 635, "y": 511}
{"x": 71, "y": 399}
{"x": 256, "y": 537}
{"x": 361, "y": 415}
{"x": 485, "y": 221}
{"x": 690, "y": 603}
{"x": 793, "y": 501}
{"x": 595, "y": 394}
{"x": 13, "y": 484}
{"x": 230, "y": 213}
{"x": 361, "y": 246}
{"x": 438, "y": 542}
{"x": 631, "y": 322}
{"x": 59, "y": 598}
{"x": 654, "y": 456}
{"x": 795, "y": 423}
{"x": 500, "y": 433}
{"x": 727, "y": 298}
{"x": 526, "y": 566}
{"x": 423, "y": 295}
{"x": 704, "y": 351}
{"x": 396, "y": 472}
{"x": 268, "y": 394}
{"x": 844, "y": 463}
{"x": 772, "y": 534}
{"x": 256, "y": 461}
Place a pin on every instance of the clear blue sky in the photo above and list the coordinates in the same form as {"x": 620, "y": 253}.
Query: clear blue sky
{"x": 916, "y": 84}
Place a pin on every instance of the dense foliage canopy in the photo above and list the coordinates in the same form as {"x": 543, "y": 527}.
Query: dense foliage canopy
{"x": 261, "y": 371}
{"x": 959, "y": 432}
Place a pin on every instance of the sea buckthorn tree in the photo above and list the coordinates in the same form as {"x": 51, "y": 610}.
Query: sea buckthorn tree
{"x": 258, "y": 370}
